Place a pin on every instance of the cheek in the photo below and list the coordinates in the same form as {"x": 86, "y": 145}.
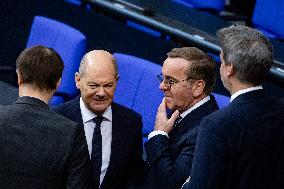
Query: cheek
{"x": 110, "y": 93}
{"x": 88, "y": 93}
{"x": 183, "y": 98}
{"x": 176, "y": 98}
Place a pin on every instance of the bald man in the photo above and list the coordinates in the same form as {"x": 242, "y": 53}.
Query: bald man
{"x": 113, "y": 132}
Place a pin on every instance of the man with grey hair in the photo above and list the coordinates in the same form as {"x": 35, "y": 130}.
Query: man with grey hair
{"x": 242, "y": 145}
{"x": 113, "y": 132}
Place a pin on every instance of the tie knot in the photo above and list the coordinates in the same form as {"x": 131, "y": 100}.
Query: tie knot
{"x": 98, "y": 120}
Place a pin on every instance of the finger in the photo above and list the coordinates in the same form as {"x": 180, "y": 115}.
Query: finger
{"x": 161, "y": 117}
{"x": 163, "y": 104}
{"x": 162, "y": 107}
{"x": 173, "y": 118}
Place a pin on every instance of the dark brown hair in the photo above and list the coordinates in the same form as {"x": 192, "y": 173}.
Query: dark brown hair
{"x": 40, "y": 66}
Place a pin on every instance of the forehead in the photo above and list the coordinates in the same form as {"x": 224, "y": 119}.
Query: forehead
{"x": 175, "y": 67}
{"x": 99, "y": 71}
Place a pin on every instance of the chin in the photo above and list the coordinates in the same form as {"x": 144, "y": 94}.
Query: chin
{"x": 99, "y": 109}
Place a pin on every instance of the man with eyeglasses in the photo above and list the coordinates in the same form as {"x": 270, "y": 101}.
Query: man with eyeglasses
{"x": 187, "y": 79}
{"x": 113, "y": 132}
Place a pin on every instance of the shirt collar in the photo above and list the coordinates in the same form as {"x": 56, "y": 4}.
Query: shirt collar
{"x": 243, "y": 91}
{"x": 201, "y": 102}
{"x": 88, "y": 115}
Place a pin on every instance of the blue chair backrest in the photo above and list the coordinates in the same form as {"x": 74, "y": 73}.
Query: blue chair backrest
{"x": 217, "y": 5}
{"x": 138, "y": 88}
{"x": 268, "y": 16}
{"x": 70, "y": 45}
{"x": 222, "y": 100}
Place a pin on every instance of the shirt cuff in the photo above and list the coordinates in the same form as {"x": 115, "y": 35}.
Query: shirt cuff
{"x": 154, "y": 133}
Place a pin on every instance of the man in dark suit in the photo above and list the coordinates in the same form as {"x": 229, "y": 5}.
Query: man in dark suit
{"x": 242, "y": 145}
{"x": 39, "y": 148}
{"x": 120, "y": 131}
{"x": 8, "y": 93}
{"x": 187, "y": 80}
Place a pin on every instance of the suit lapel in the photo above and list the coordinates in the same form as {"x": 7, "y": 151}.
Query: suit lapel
{"x": 74, "y": 111}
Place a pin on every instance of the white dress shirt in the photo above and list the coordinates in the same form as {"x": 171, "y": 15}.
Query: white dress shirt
{"x": 238, "y": 93}
{"x": 106, "y": 131}
{"x": 182, "y": 115}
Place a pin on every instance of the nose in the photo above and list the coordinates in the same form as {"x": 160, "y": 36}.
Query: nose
{"x": 162, "y": 86}
{"x": 101, "y": 92}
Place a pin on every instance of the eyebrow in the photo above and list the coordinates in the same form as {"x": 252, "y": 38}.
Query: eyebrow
{"x": 94, "y": 83}
{"x": 169, "y": 77}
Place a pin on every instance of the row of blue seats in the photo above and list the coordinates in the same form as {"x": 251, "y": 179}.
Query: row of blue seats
{"x": 137, "y": 87}
{"x": 268, "y": 16}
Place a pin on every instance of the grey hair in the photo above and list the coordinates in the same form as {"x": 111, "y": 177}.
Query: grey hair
{"x": 248, "y": 50}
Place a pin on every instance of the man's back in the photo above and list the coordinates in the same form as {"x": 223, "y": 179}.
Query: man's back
{"x": 246, "y": 143}
{"x": 41, "y": 149}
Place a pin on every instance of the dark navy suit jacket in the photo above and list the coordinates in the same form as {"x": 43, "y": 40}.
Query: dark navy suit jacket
{"x": 41, "y": 149}
{"x": 241, "y": 146}
{"x": 126, "y": 147}
{"x": 169, "y": 159}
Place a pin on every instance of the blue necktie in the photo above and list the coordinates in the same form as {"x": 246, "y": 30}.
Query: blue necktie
{"x": 96, "y": 156}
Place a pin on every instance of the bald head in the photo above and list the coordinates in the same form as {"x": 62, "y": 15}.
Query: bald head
{"x": 97, "y": 58}
{"x": 97, "y": 79}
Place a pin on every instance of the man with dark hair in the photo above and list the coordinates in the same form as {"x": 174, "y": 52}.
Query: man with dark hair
{"x": 113, "y": 132}
{"x": 187, "y": 80}
{"x": 242, "y": 145}
{"x": 39, "y": 148}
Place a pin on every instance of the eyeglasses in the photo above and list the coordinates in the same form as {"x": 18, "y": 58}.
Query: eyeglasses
{"x": 169, "y": 81}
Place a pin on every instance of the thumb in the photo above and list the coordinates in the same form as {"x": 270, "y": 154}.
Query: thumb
{"x": 173, "y": 118}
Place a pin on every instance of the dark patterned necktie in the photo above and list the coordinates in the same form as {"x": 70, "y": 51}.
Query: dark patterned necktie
{"x": 96, "y": 156}
{"x": 177, "y": 120}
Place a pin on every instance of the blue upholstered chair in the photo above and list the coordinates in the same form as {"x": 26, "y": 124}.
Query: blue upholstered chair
{"x": 71, "y": 46}
{"x": 268, "y": 16}
{"x": 216, "y": 5}
{"x": 138, "y": 88}
{"x": 222, "y": 100}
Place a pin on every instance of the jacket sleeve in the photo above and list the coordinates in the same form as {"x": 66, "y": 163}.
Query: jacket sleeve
{"x": 169, "y": 171}
{"x": 210, "y": 161}
{"x": 79, "y": 171}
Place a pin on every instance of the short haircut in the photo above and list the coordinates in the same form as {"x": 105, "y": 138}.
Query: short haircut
{"x": 83, "y": 65}
{"x": 248, "y": 50}
{"x": 40, "y": 67}
{"x": 202, "y": 66}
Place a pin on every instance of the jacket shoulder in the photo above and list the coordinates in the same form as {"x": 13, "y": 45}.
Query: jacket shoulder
{"x": 125, "y": 111}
